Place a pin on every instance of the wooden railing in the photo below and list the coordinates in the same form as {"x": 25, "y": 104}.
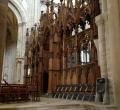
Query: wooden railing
{"x": 18, "y": 92}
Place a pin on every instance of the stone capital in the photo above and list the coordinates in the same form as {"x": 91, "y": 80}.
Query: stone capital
{"x": 101, "y": 19}
{"x": 105, "y": 16}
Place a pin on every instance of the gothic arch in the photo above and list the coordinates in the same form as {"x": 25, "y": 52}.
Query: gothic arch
{"x": 18, "y": 10}
{"x": 20, "y": 14}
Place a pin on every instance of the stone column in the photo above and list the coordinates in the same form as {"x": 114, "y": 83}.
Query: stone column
{"x": 102, "y": 45}
{"x": 114, "y": 46}
{"x": 102, "y": 24}
{"x": 103, "y": 5}
{"x": 3, "y": 16}
{"x": 19, "y": 74}
{"x": 102, "y": 54}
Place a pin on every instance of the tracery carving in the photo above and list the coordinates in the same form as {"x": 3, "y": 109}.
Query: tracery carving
{"x": 54, "y": 37}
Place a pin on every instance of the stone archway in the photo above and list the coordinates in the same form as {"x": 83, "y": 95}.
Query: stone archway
{"x": 19, "y": 12}
{"x": 9, "y": 62}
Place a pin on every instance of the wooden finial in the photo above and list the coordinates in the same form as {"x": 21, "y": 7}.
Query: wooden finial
{"x": 47, "y": 3}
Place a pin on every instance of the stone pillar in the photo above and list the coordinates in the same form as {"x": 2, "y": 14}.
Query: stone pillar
{"x": 19, "y": 71}
{"x": 102, "y": 45}
{"x": 3, "y": 16}
{"x": 19, "y": 74}
{"x": 104, "y": 15}
{"x": 114, "y": 46}
{"x": 101, "y": 22}
{"x": 101, "y": 50}
{"x": 103, "y": 5}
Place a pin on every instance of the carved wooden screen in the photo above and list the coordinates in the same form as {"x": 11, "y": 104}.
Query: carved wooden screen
{"x": 68, "y": 34}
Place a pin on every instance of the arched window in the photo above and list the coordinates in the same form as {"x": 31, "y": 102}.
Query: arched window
{"x": 29, "y": 72}
{"x": 85, "y": 56}
{"x": 85, "y": 52}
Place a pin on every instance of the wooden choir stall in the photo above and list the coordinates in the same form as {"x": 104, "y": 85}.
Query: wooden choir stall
{"x": 61, "y": 54}
{"x": 61, "y": 50}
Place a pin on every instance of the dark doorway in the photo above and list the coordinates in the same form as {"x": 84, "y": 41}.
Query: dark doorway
{"x": 45, "y": 82}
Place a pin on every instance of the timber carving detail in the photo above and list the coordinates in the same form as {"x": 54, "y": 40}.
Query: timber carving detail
{"x": 62, "y": 44}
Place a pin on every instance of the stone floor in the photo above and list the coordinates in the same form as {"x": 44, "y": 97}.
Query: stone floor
{"x": 55, "y": 104}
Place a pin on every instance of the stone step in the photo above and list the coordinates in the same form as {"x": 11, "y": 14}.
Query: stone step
{"x": 51, "y": 108}
{"x": 69, "y": 108}
{"x": 56, "y": 104}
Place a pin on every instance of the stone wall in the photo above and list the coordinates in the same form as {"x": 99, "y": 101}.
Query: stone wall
{"x": 109, "y": 47}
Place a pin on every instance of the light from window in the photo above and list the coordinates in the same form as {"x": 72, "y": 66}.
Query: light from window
{"x": 29, "y": 71}
{"x": 85, "y": 56}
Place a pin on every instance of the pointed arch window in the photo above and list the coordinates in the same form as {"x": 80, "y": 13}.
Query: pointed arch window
{"x": 85, "y": 57}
